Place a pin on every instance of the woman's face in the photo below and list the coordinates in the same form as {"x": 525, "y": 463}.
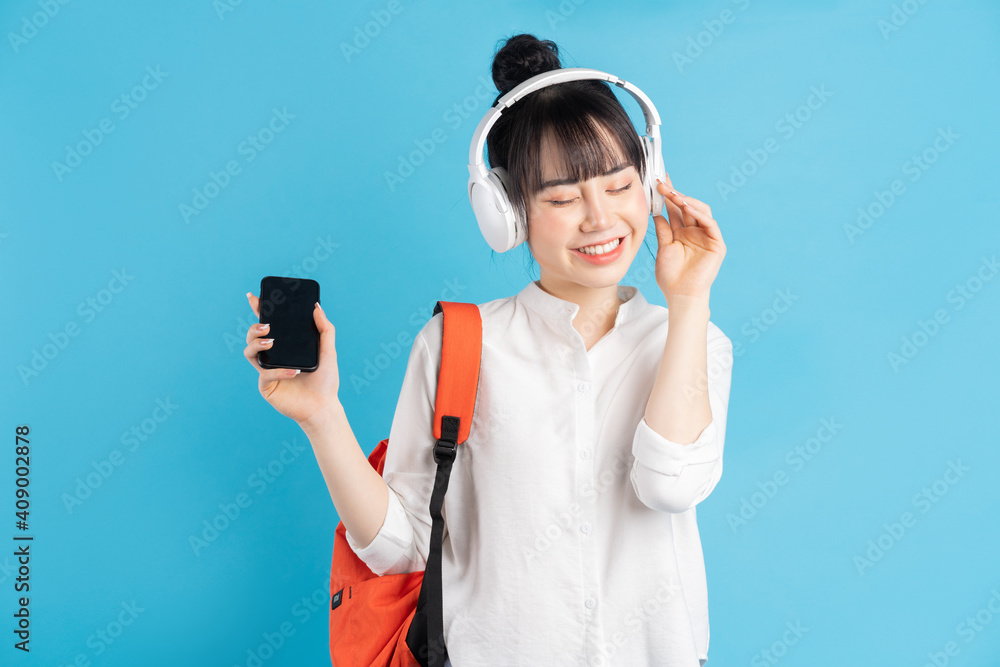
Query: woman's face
{"x": 563, "y": 217}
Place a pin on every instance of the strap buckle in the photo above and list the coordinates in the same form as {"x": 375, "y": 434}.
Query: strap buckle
{"x": 444, "y": 450}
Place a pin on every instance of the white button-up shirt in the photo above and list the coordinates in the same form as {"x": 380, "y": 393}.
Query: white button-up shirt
{"x": 571, "y": 536}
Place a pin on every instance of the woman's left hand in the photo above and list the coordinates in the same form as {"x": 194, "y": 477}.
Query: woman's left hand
{"x": 689, "y": 248}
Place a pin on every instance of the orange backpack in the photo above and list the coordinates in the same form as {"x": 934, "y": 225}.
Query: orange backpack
{"x": 396, "y": 620}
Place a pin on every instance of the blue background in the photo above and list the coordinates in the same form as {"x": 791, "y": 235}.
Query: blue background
{"x": 315, "y": 202}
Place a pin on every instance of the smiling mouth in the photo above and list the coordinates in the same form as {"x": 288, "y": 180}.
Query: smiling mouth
{"x": 601, "y": 249}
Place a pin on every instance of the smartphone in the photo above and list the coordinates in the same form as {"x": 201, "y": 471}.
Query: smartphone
{"x": 287, "y": 305}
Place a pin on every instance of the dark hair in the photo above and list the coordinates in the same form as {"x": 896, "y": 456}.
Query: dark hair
{"x": 573, "y": 115}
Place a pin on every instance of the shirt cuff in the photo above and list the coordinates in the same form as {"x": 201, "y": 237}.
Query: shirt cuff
{"x": 391, "y": 542}
{"x": 668, "y": 457}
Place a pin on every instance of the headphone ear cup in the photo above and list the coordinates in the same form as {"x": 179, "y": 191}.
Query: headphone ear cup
{"x": 654, "y": 170}
{"x": 493, "y": 211}
{"x": 513, "y": 227}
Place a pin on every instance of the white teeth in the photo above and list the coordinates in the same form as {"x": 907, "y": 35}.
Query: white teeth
{"x": 600, "y": 249}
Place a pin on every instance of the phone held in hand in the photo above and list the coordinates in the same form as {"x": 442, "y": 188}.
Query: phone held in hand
{"x": 287, "y": 305}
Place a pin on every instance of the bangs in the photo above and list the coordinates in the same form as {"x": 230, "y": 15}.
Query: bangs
{"x": 580, "y": 150}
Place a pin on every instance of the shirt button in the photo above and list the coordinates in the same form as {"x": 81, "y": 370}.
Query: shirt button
{"x": 582, "y": 387}
{"x": 584, "y": 527}
{"x": 590, "y": 603}
{"x": 585, "y": 454}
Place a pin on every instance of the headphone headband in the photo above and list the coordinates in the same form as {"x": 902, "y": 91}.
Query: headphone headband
{"x": 551, "y": 78}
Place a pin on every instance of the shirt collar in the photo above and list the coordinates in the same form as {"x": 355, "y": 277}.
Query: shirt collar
{"x": 549, "y": 305}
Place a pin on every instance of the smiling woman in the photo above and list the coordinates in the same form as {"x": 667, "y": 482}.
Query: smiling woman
{"x": 568, "y": 532}
{"x": 580, "y": 386}
{"x": 575, "y": 168}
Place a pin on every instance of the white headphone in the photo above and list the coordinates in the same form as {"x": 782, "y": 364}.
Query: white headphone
{"x": 500, "y": 224}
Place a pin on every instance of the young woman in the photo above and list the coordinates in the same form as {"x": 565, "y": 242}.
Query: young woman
{"x": 571, "y": 536}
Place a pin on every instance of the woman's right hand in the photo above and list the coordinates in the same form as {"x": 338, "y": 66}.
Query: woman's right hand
{"x": 301, "y": 396}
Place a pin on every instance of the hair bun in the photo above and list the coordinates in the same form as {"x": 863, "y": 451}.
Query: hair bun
{"x": 522, "y": 57}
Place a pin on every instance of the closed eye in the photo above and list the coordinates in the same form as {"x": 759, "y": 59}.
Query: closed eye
{"x": 562, "y": 202}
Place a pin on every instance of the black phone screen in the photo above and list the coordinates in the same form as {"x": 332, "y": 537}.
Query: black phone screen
{"x": 287, "y": 305}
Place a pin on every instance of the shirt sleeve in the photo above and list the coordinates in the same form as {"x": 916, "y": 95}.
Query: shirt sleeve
{"x": 402, "y": 543}
{"x": 674, "y": 477}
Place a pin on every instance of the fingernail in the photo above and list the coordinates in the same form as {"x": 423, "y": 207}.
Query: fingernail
{"x": 319, "y": 306}
{"x": 262, "y": 326}
{"x": 674, "y": 192}
{"x": 292, "y": 371}
{"x": 266, "y": 341}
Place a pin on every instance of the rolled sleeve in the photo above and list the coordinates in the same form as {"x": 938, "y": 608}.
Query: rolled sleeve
{"x": 673, "y": 477}
{"x": 393, "y": 546}
{"x": 668, "y": 457}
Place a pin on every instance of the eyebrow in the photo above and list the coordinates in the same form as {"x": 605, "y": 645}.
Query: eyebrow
{"x": 570, "y": 181}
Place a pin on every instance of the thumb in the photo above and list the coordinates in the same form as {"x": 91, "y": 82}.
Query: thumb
{"x": 327, "y": 335}
{"x": 664, "y": 233}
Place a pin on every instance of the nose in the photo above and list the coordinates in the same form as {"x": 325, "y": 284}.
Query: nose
{"x": 595, "y": 210}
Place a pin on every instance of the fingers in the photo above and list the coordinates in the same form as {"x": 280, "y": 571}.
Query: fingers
{"x": 698, "y": 213}
{"x": 675, "y": 207}
{"x": 691, "y": 211}
{"x": 674, "y": 213}
{"x": 256, "y": 331}
{"x": 327, "y": 336}
{"x": 256, "y": 343}
{"x": 256, "y": 340}
{"x": 255, "y": 336}
{"x": 686, "y": 204}
{"x": 254, "y": 304}
{"x": 269, "y": 375}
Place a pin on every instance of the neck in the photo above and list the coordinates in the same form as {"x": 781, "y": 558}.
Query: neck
{"x": 598, "y": 305}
